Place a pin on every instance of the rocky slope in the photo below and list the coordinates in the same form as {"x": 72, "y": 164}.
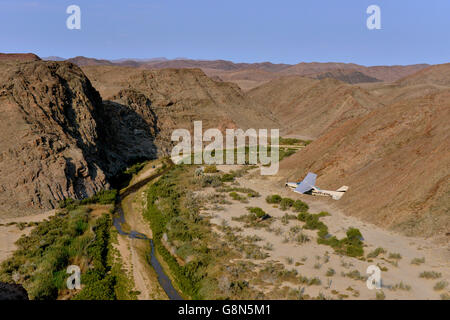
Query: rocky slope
{"x": 251, "y": 75}
{"x": 59, "y": 138}
{"x": 395, "y": 159}
{"x": 48, "y": 138}
{"x": 179, "y": 97}
{"x": 309, "y": 107}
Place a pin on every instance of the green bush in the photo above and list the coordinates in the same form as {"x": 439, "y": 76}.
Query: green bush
{"x": 260, "y": 213}
{"x": 286, "y": 203}
{"x": 211, "y": 169}
{"x": 300, "y": 206}
{"x": 274, "y": 199}
{"x": 227, "y": 177}
{"x": 375, "y": 253}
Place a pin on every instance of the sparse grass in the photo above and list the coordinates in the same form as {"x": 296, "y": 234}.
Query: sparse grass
{"x": 301, "y": 238}
{"x": 418, "y": 261}
{"x": 330, "y": 272}
{"x": 310, "y": 281}
{"x": 430, "y": 275}
{"x": 379, "y": 295}
{"x": 375, "y": 253}
{"x": 355, "y": 275}
{"x": 441, "y": 285}
{"x": 287, "y": 217}
{"x": 211, "y": 169}
{"x": 382, "y": 268}
{"x": 401, "y": 286}
{"x": 445, "y": 296}
{"x": 237, "y": 197}
{"x": 396, "y": 256}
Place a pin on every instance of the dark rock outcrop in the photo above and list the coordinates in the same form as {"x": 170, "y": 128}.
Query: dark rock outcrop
{"x": 10, "y": 291}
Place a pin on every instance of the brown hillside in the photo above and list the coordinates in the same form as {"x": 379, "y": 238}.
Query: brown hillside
{"x": 309, "y": 107}
{"x": 48, "y": 136}
{"x": 396, "y": 160}
{"x": 181, "y": 96}
{"x": 83, "y": 61}
{"x": 19, "y": 57}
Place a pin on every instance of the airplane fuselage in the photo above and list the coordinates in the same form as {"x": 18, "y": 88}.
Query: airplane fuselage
{"x": 336, "y": 195}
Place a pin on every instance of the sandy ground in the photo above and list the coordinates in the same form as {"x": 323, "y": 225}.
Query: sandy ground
{"x": 311, "y": 255}
{"x": 10, "y": 234}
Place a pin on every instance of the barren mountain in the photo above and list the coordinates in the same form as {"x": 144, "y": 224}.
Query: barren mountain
{"x": 251, "y": 75}
{"x": 83, "y": 61}
{"x": 310, "y": 107}
{"x": 395, "y": 159}
{"x": 348, "y": 76}
{"x": 59, "y": 139}
{"x": 181, "y": 96}
{"x": 19, "y": 57}
{"x": 426, "y": 81}
{"x": 48, "y": 135}
{"x": 384, "y": 73}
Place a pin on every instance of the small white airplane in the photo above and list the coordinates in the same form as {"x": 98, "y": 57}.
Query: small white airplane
{"x": 307, "y": 186}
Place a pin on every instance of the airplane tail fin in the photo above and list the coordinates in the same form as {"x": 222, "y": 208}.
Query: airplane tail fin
{"x": 342, "y": 189}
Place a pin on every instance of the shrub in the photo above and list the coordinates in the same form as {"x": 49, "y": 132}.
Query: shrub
{"x": 379, "y": 295}
{"x": 300, "y": 206}
{"x": 330, "y": 272}
{"x": 274, "y": 199}
{"x": 211, "y": 169}
{"x": 418, "y": 261}
{"x": 260, "y": 213}
{"x": 210, "y": 181}
{"x": 396, "y": 256}
{"x": 227, "y": 177}
{"x": 286, "y": 203}
{"x": 375, "y": 253}
{"x": 354, "y": 235}
{"x": 430, "y": 275}
{"x": 237, "y": 197}
{"x": 440, "y": 285}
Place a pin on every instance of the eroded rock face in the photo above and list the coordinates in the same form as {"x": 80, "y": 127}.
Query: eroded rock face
{"x": 48, "y": 140}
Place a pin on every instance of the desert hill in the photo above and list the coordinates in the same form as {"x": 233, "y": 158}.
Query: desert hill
{"x": 48, "y": 135}
{"x": 83, "y": 61}
{"x": 19, "y": 57}
{"x": 309, "y": 107}
{"x": 348, "y": 76}
{"x": 251, "y": 75}
{"x": 395, "y": 159}
{"x": 180, "y": 96}
{"x": 60, "y": 139}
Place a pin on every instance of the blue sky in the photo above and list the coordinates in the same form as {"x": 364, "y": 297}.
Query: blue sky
{"x": 283, "y": 31}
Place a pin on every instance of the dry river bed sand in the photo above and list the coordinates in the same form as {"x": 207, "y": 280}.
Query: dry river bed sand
{"x": 312, "y": 255}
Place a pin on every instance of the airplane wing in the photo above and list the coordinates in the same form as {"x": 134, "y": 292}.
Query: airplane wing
{"x": 307, "y": 184}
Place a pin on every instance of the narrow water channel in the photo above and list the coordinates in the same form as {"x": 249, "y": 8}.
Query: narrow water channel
{"x": 163, "y": 279}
